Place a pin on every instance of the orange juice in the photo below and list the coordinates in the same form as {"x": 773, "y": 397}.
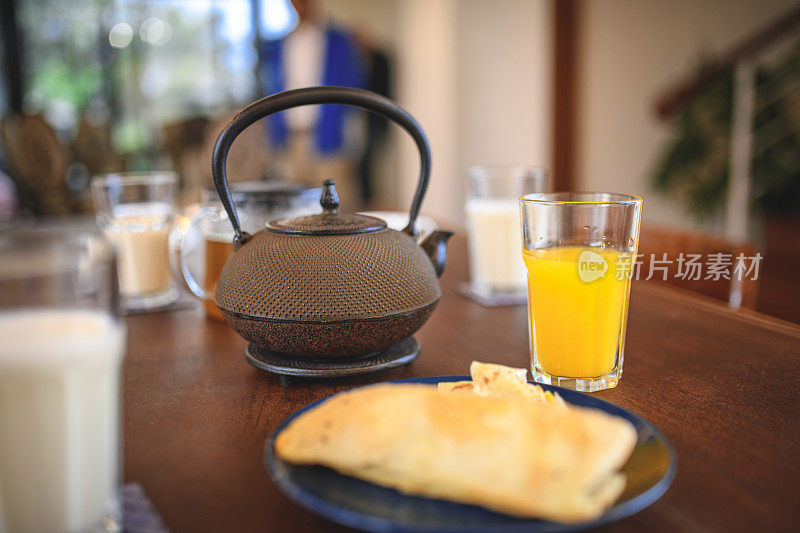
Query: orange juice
{"x": 577, "y": 302}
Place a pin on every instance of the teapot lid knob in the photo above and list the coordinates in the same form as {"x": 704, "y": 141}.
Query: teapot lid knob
{"x": 330, "y": 198}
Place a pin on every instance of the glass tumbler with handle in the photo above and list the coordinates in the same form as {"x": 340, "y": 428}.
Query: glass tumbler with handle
{"x": 202, "y": 239}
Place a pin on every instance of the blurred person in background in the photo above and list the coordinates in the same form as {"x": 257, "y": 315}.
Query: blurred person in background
{"x": 378, "y": 78}
{"x": 310, "y": 141}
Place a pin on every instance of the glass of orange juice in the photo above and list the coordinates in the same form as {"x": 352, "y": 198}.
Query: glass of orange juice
{"x": 578, "y": 250}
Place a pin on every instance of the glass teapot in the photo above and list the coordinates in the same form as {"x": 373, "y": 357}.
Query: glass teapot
{"x": 200, "y": 241}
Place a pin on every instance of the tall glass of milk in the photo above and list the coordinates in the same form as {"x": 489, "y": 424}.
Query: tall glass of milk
{"x": 136, "y": 211}
{"x": 61, "y": 348}
{"x": 497, "y": 272}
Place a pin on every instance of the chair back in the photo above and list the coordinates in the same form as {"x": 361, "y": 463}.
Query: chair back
{"x": 701, "y": 263}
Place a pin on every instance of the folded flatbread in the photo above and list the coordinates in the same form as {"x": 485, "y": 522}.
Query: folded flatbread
{"x": 489, "y": 379}
{"x": 524, "y": 458}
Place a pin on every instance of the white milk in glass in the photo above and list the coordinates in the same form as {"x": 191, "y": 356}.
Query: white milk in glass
{"x": 140, "y": 233}
{"x": 495, "y": 246}
{"x": 59, "y": 418}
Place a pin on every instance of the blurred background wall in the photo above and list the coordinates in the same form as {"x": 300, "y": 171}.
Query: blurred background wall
{"x": 455, "y": 60}
{"x": 137, "y": 84}
{"x": 630, "y": 51}
{"x": 575, "y": 86}
{"x": 157, "y": 77}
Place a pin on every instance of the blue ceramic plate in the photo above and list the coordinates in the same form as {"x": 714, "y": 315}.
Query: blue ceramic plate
{"x": 363, "y": 505}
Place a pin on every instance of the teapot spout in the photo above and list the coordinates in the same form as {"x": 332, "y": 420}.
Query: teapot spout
{"x": 435, "y": 245}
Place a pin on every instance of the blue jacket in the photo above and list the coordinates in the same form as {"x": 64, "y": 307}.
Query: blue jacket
{"x": 342, "y": 66}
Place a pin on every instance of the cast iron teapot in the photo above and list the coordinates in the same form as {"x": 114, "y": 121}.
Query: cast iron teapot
{"x": 330, "y": 285}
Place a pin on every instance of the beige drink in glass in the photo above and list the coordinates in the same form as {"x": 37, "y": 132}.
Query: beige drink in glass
{"x": 136, "y": 212}
{"x": 60, "y": 358}
{"x": 141, "y": 233}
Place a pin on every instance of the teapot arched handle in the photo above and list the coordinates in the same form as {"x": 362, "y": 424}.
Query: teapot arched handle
{"x": 317, "y": 95}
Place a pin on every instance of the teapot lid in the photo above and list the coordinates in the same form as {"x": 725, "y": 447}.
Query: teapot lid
{"x": 329, "y": 222}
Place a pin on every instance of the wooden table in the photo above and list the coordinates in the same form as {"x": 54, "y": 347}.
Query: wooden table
{"x": 723, "y": 386}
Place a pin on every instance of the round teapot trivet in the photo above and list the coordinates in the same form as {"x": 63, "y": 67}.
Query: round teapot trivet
{"x": 400, "y": 354}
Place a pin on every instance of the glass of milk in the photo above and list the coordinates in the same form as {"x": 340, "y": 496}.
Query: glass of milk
{"x": 136, "y": 211}
{"x": 497, "y": 272}
{"x": 61, "y": 348}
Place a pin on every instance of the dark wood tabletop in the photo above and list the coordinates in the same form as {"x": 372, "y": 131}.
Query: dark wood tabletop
{"x": 723, "y": 386}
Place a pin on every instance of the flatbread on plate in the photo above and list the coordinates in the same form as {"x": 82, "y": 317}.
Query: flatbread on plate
{"x": 534, "y": 459}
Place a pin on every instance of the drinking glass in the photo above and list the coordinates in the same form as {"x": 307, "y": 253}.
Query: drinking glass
{"x": 497, "y": 274}
{"x": 136, "y": 211}
{"x": 61, "y": 349}
{"x": 205, "y": 228}
{"x": 578, "y": 249}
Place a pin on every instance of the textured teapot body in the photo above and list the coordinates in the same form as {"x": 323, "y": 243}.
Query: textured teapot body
{"x": 323, "y": 296}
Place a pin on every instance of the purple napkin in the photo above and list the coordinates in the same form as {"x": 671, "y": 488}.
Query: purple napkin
{"x": 138, "y": 513}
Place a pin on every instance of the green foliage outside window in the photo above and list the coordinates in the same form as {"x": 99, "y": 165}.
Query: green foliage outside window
{"x": 694, "y": 165}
